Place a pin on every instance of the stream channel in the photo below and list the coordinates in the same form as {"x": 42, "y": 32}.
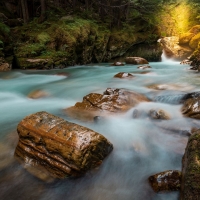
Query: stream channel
{"x": 142, "y": 147}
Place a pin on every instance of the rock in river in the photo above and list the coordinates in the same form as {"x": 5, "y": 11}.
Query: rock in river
{"x": 136, "y": 60}
{"x": 123, "y": 75}
{"x": 62, "y": 148}
{"x": 190, "y": 189}
{"x": 110, "y": 102}
{"x": 159, "y": 114}
{"x": 166, "y": 181}
{"x": 191, "y": 105}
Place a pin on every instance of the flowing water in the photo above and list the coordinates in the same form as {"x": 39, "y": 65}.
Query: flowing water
{"x": 142, "y": 147}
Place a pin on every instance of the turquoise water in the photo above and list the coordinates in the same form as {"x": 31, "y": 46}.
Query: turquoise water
{"x": 141, "y": 147}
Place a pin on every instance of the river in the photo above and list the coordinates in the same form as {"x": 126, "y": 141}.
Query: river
{"x": 141, "y": 147}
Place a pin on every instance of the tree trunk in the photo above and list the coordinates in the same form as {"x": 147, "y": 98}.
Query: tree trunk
{"x": 43, "y": 11}
{"x": 25, "y": 12}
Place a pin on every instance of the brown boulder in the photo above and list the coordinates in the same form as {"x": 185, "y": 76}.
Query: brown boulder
{"x": 62, "y": 148}
{"x": 166, "y": 181}
{"x": 123, "y": 75}
{"x": 190, "y": 189}
{"x": 191, "y": 108}
{"x": 136, "y": 60}
{"x": 112, "y": 101}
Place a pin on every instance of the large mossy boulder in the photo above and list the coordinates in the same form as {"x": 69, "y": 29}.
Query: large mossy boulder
{"x": 191, "y": 38}
{"x": 190, "y": 181}
{"x": 61, "y": 147}
{"x": 110, "y": 102}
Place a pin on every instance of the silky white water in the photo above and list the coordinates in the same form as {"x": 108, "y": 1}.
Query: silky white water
{"x": 141, "y": 146}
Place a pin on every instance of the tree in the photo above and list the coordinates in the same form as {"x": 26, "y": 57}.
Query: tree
{"x": 24, "y": 9}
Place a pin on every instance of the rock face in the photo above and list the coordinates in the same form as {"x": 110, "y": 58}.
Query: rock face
{"x": 166, "y": 181}
{"x": 136, "y": 60}
{"x": 62, "y": 148}
{"x": 111, "y": 101}
{"x": 172, "y": 49}
{"x": 123, "y": 75}
{"x": 191, "y": 105}
{"x": 190, "y": 189}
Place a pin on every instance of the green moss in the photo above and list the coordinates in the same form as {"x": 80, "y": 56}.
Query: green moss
{"x": 30, "y": 50}
{"x": 195, "y": 41}
{"x": 185, "y": 38}
{"x": 4, "y": 30}
{"x": 43, "y": 38}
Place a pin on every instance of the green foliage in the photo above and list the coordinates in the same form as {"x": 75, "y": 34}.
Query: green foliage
{"x": 30, "y": 50}
{"x": 195, "y": 41}
{"x": 1, "y": 45}
{"x": 43, "y": 38}
{"x": 4, "y": 30}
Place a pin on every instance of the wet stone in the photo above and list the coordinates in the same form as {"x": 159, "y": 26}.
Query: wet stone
{"x": 136, "y": 60}
{"x": 112, "y": 101}
{"x": 166, "y": 181}
{"x": 159, "y": 114}
{"x": 191, "y": 107}
{"x": 117, "y": 64}
{"x": 62, "y": 148}
{"x": 144, "y": 67}
{"x": 123, "y": 75}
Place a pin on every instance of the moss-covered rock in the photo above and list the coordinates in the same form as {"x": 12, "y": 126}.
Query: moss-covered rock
{"x": 190, "y": 186}
{"x": 195, "y": 41}
{"x": 186, "y": 37}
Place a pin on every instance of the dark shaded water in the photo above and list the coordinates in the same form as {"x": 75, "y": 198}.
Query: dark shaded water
{"x": 142, "y": 147}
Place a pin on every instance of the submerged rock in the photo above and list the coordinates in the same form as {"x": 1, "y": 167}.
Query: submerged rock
{"x": 36, "y": 94}
{"x": 166, "y": 181}
{"x": 190, "y": 189}
{"x": 136, "y": 60}
{"x": 159, "y": 114}
{"x": 111, "y": 101}
{"x": 123, "y": 75}
{"x": 62, "y": 148}
{"x": 170, "y": 87}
